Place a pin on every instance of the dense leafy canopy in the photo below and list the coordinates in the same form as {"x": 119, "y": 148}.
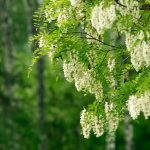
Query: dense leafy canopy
{"x": 104, "y": 47}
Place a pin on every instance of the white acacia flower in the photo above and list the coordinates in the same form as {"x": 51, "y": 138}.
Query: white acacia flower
{"x": 145, "y": 104}
{"x": 139, "y": 104}
{"x": 139, "y": 49}
{"x": 86, "y": 123}
{"x": 90, "y": 122}
{"x": 111, "y": 117}
{"x": 103, "y": 18}
{"x": 132, "y": 8}
{"x": 111, "y": 64}
{"x": 134, "y": 106}
{"x": 42, "y": 42}
{"x": 85, "y": 79}
{"x": 98, "y": 126}
{"x": 75, "y": 2}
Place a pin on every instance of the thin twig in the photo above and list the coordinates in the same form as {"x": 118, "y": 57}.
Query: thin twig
{"x": 143, "y": 7}
{"x": 125, "y": 59}
{"x": 93, "y": 38}
{"x": 117, "y": 1}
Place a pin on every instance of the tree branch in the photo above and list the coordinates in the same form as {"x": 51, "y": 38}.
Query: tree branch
{"x": 143, "y": 7}
{"x": 93, "y": 38}
{"x": 117, "y": 1}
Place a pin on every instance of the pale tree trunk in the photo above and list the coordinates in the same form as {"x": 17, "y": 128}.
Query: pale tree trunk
{"x": 111, "y": 136}
{"x": 128, "y": 126}
{"x": 7, "y": 47}
{"x": 128, "y": 132}
{"x": 31, "y": 8}
{"x": 8, "y": 68}
{"x": 110, "y": 141}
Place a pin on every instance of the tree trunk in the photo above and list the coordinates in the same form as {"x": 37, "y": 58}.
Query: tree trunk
{"x": 8, "y": 66}
{"x": 128, "y": 132}
{"x": 31, "y": 8}
{"x": 41, "y": 106}
{"x": 111, "y": 136}
{"x": 128, "y": 126}
{"x": 7, "y": 48}
{"x": 110, "y": 141}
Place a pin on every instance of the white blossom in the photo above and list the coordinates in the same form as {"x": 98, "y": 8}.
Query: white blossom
{"x": 52, "y": 50}
{"x": 134, "y": 106}
{"x": 131, "y": 8}
{"x": 103, "y": 18}
{"x": 49, "y": 14}
{"x": 68, "y": 69}
{"x": 146, "y": 53}
{"x": 111, "y": 64}
{"x": 85, "y": 79}
{"x": 111, "y": 117}
{"x": 145, "y": 104}
{"x": 139, "y": 49}
{"x": 41, "y": 42}
{"x": 86, "y": 123}
{"x": 139, "y": 104}
{"x": 75, "y": 2}
{"x": 91, "y": 36}
{"x": 98, "y": 126}
{"x": 90, "y": 122}
{"x": 62, "y": 17}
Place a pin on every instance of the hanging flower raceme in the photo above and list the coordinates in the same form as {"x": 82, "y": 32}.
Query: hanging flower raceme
{"x": 103, "y": 17}
{"x": 85, "y": 79}
{"x": 140, "y": 50}
{"x": 111, "y": 117}
{"x": 62, "y": 18}
{"x": 139, "y": 104}
{"x": 86, "y": 123}
{"x": 129, "y": 7}
{"x": 41, "y": 42}
{"x": 90, "y": 122}
{"x": 111, "y": 64}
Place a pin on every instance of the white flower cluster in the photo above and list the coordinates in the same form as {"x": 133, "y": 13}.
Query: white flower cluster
{"x": 111, "y": 64}
{"x": 91, "y": 36}
{"x": 112, "y": 81}
{"x": 74, "y": 3}
{"x": 140, "y": 50}
{"x": 52, "y": 50}
{"x": 139, "y": 104}
{"x": 84, "y": 79}
{"x": 111, "y": 117}
{"x": 55, "y": 11}
{"x": 41, "y": 42}
{"x": 80, "y": 14}
{"x": 131, "y": 8}
{"x": 49, "y": 14}
{"x": 92, "y": 57}
{"x": 62, "y": 18}
{"x": 44, "y": 44}
{"x": 68, "y": 69}
{"x": 103, "y": 18}
{"x": 89, "y": 122}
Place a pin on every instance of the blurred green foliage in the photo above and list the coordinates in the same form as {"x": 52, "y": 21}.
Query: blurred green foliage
{"x": 20, "y": 127}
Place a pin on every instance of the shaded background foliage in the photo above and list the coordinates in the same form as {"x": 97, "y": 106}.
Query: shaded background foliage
{"x": 42, "y": 111}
